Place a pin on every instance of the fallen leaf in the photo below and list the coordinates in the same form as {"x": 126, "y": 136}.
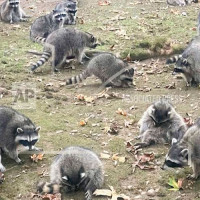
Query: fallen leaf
{"x": 104, "y": 3}
{"x": 104, "y": 156}
{"x": 36, "y": 158}
{"x": 83, "y": 122}
{"x": 112, "y": 129}
{"x": 121, "y": 112}
{"x": 111, "y": 193}
{"x": 175, "y": 186}
{"x": 103, "y": 192}
{"x": 130, "y": 147}
{"x": 121, "y": 159}
{"x": 143, "y": 161}
{"x": 189, "y": 121}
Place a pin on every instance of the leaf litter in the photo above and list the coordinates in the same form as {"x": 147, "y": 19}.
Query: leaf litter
{"x": 111, "y": 193}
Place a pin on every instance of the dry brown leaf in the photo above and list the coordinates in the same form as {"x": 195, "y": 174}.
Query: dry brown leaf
{"x": 104, "y": 156}
{"x": 189, "y": 121}
{"x": 83, "y": 122}
{"x": 111, "y": 193}
{"x": 103, "y": 192}
{"x": 112, "y": 129}
{"x": 121, "y": 112}
{"x": 51, "y": 196}
{"x": 130, "y": 147}
{"x": 121, "y": 159}
{"x": 36, "y": 158}
{"x": 104, "y": 3}
{"x": 143, "y": 161}
{"x": 171, "y": 86}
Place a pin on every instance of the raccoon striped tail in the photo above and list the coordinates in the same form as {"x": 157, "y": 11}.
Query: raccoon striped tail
{"x": 38, "y": 39}
{"x": 48, "y": 188}
{"x": 44, "y": 58}
{"x": 173, "y": 59}
{"x": 79, "y": 78}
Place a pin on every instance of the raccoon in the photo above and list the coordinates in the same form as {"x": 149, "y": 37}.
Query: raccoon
{"x": 198, "y": 25}
{"x": 76, "y": 168}
{"x": 64, "y": 43}
{"x": 109, "y": 69}
{"x": 71, "y": 9}
{"x": 159, "y": 124}
{"x": 180, "y": 2}
{"x": 16, "y": 129}
{"x": 188, "y": 63}
{"x": 46, "y": 24}
{"x": 186, "y": 151}
{"x": 11, "y": 11}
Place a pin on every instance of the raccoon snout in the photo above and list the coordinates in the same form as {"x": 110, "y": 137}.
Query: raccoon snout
{"x": 164, "y": 167}
{"x": 94, "y": 45}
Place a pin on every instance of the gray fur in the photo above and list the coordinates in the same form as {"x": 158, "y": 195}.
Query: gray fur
{"x": 188, "y": 63}
{"x": 15, "y": 129}
{"x": 76, "y": 168}
{"x": 46, "y": 24}
{"x": 180, "y": 2}
{"x": 109, "y": 69}
{"x": 63, "y": 43}
{"x": 11, "y": 12}
{"x": 71, "y": 8}
{"x": 159, "y": 124}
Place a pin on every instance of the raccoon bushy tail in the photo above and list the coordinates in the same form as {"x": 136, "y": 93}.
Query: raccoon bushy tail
{"x": 79, "y": 78}
{"x": 39, "y": 40}
{"x": 173, "y": 59}
{"x": 48, "y": 188}
{"x": 44, "y": 58}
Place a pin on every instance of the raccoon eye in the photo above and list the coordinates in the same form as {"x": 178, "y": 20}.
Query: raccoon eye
{"x": 92, "y": 38}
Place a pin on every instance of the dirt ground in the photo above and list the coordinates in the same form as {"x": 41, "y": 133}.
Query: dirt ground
{"x": 124, "y": 27}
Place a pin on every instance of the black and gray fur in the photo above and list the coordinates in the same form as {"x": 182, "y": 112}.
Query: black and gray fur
{"x": 181, "y": 2}
{"x": 71, "y": 8}
{"x": 109, "y": 69}
{"x": 64, "y": 43}
{"x": 198, "y": 24}
{"x": 76, "y": 168}
{"x": 16, "y": 129}
{"x": 11, "y": 12}
{"x": 186, "y": 151}
{"x": 46, "y": 24}
{"x": 188, "y": 63}
{"x": 159, "y": 124}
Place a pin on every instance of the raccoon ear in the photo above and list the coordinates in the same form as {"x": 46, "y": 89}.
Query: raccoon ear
{"x": 152, "y": 110}
{"x": 20, "y": 130}
{"x": 169, "y": 113}
{"x": 37, "y": 129}
{"x": 174, "y": 140}
{"x": 82, "y": 174}
{"x": 184, "y": 153}
{"x": 65, "y": 178}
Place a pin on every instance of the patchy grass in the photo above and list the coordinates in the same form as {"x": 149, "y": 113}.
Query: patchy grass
{"x": 148, "y": 28}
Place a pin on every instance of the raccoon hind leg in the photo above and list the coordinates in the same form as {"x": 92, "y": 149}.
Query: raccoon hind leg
{"x": 2, "y": 168}
{"x": 57, "y": 60}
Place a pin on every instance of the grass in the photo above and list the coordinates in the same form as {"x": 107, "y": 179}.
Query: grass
{"x": 149, "y": 28}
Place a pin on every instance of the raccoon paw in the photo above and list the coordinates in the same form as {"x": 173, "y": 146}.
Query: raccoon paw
{"x": 140, "y": 145}
{"x": 2, "y": 168}
{"x": 88, "y": 195}
{"x": 23, "y": 20}
{"x": 192, "y": 177}
{"x": 19, "y": 161}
